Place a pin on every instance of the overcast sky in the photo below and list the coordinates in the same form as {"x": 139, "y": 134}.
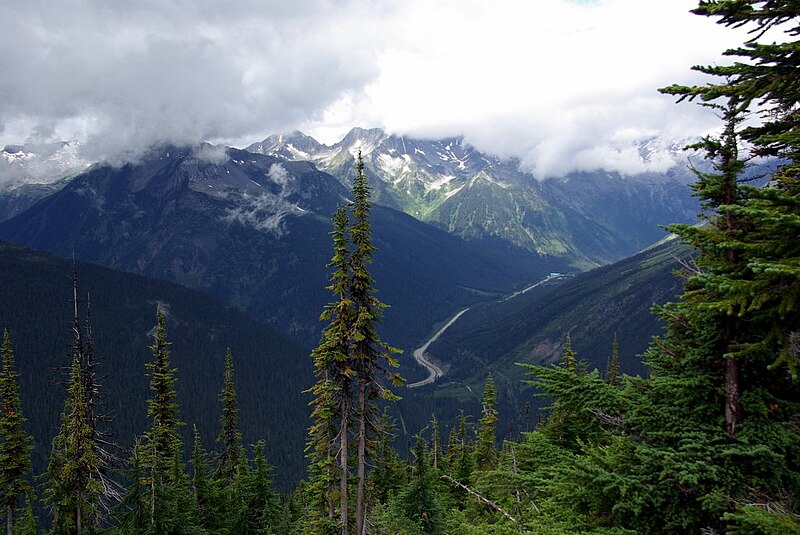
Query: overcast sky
{"x": 561, "y": 84}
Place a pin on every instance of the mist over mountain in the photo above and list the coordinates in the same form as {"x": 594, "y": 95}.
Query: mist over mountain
{"x": 584, "y": 218}
{"x": 253, "y": 230}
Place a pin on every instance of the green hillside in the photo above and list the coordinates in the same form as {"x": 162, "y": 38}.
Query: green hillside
{"x": 270, "y": 370}
{"x": 531, "y": 327}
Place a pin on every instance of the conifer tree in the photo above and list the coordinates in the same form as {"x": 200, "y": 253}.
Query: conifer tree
{"x": 372, "y": 357}
{"x": 212, "y": 508}
{"x": 568, "y": 359}
{"x": 485, "y": 450}
{"x": 15, "y": 447}
{"x": 229, "y": 437}
{"x": 389, "y": 471}
{"x": 462, "y": 459}
{"x": 170, "y": 504}
{"x": 104, "y": 448}
{"x": 74, "y": 490}
{"x": 612, "y": 370}
{"x": 420, "y": 501}
{"x": 27, "y": 523}
{"x": 332, "y": 405}
{"x": 133, "y": 510}
{"x": 768, "y": 293}
{"x": 262, "y": 511}
{"x": 162, "y": 441}
{"x": 436, "y": 441}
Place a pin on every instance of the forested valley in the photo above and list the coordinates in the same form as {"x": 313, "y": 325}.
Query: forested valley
{"x": 706, "y": 441}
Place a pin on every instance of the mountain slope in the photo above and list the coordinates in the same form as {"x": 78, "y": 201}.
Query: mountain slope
{"x": 587, "y": 219}
{"x": 253, "y": 230}
{"x": 591, "y": 306}
{"x": 270, "y": 370}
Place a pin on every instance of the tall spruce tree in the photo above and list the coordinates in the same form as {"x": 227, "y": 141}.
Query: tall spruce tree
{"x": 229, "y": 436}
{"x": 372, "y": 357}
{"x": 568, "y": 358}
{"x": 74, "y": 489}
{"x": 170, "y": 503}
{"x": 485, "y": 449}
{"x": 612, "y": 369}
{"x": 768, "y": 292}
{"x": 162, "y": 441}
{"x": 15, "y": 443}
{"x": 332, "y": 406}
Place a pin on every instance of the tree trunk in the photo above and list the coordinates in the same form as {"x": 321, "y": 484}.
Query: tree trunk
{"x": 78, "y": 522}
{"x": 10, "y": 521}
{"x": 733, "y": 407}
{"x": 343, "y": 512}
{"x": 362, "y": 454}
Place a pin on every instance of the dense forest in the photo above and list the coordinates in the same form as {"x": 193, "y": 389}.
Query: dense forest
{"x": 708, "y": 441}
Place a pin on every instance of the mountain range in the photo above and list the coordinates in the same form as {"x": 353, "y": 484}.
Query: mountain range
{"x": 454, "y": 229}
{"x": 253, "y": 230}
{"x": 585, "y": 218}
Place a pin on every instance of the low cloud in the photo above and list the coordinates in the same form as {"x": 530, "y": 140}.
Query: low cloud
{"x": 123, "y": 77}
{"x": 215, "y": 154}
{"x": 561, "y": 84}
{"x": 277, "y": 173}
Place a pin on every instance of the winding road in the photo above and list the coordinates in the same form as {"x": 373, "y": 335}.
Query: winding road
{"x": 420, "y": 354}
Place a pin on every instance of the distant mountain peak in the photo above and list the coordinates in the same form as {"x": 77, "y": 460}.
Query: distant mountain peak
{"x": 40, "y": 163}
{"x": 361, "y": 139}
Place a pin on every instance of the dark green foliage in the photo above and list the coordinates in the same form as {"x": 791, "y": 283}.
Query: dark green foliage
{"x": 208, "y": 498}
{"x": 133, "y": 511}
{"x": 766, "y": 290}
{"x": 332, "y": 404}
{"x": 229, "y": 436}
{"x": 27, "y": 523}
{"x": 257, "y": 507}
{"x": 172, "y": 506}
{"x": 420, "y": 501}
{"x": 389, "y": 471}
{"x": 485, "y": 447}
{"x": 73, "y": 488}
{"x": 612, "y": 369}
{"x": 372, "y": 357}
{"x": 15, "y": 443}
{"x": 568, "y": 358}
{"x": 162, "y": 444}
{"x": 200, "y": 328}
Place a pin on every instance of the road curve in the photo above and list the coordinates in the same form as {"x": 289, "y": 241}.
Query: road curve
{"x": 434, "y": 371}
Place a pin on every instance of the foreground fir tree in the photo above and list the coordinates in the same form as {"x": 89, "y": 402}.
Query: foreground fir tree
{"x": 15, "y": 443}
{"x": 332, "y": 406}
{"x": 746, "y": 298}
{"x": 208, "y": 501}
{"x": 485, "y": 449}
{"x": 229, "y": 437}
{"x": 350, "y": 363}
{"x": 74, "y": 490}
{"x": 374, "y": 359}
{"x": 612, "y": 369}
{"x": 171, "y": 507}
{"x": 709, "y": 442}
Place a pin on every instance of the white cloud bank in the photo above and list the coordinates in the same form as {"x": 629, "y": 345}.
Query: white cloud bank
{"x": 561, "y": 84}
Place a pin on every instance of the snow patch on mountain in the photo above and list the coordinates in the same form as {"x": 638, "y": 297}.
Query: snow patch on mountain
{"x": 439, "y": 182}
{"x": 394, "y": 166}
{"x": 42, "y": 163}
